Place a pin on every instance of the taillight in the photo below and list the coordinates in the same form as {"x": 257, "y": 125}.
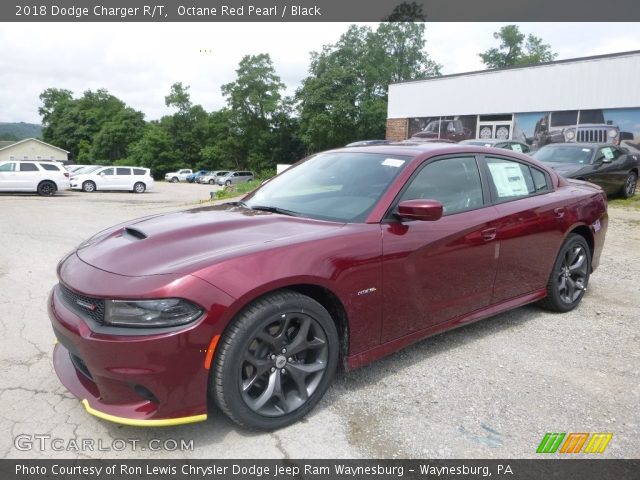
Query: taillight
{"x": 66, "y": 174}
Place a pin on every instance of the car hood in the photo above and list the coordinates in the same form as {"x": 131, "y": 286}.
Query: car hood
{"x": 183, "y": 242}
{"x": 567, "y": 169}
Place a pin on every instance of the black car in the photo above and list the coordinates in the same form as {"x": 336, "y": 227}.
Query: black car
{"x": 612, "y": 167}
{"x": 499, "y": 143}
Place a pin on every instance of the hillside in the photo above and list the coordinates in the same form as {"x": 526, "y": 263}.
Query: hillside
{"x": 19, "y": 130}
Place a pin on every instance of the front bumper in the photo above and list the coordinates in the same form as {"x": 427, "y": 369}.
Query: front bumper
{"x": 144, "y": 380}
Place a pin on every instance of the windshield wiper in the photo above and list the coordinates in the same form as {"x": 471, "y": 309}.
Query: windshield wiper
{"x": 281, "y": 211}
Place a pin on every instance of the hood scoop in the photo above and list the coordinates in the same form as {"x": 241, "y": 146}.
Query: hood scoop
{"x": 133, "y": 234}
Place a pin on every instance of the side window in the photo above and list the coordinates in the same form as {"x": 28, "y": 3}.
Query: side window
{"x": 123, "y": 171}
{"x": 29, "y": 167}
{"x": 510, "y": 179}
{"x": 236, "y": 174}
{"x": 50, "y": 166}
{"x": 8, "y": 167}
{"x": 138, "y": 171}
{"x": 454, "y": 182}
{"x": 108, "y": 171}
{"x": 539, "y": 180}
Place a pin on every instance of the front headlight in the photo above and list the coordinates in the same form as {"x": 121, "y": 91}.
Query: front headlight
{"x": 570, "y": 134}
{"x": 165, "y": 312}
{"x": 613, "y": 133}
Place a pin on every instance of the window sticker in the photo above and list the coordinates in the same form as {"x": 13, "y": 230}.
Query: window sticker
{"x": 608, "y": 153}
{"x": 516, "y": 147}
{"x": 508, "y": 179}
{"x": 393, "y": 162}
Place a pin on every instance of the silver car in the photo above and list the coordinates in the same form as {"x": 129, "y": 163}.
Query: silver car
{"x": 233, "y": 178}
{"x": 212, "y": 176}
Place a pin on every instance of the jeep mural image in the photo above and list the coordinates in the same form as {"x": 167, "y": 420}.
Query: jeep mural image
{"x": 561, "y": 126}
{"x": 447, "y": 129}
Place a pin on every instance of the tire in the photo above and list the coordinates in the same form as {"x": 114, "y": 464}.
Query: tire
{"x": 570, "y": 275}
{"x": 211, "y": 182}
{"x": 89, "y": 186}
{"x": 139, "y": 187}
{"x": 46, "y": 189}
{"x": 255, "y": 381}
{"x": 628, "y": 190}
{"x": 175, "y": 180}
{"x": 228, "y": 183}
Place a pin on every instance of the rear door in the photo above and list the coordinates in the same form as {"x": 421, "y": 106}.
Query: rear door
{"x": 529, "y": 226}
{"x": 28, "y": 176}
{"x": 437, "y": 271}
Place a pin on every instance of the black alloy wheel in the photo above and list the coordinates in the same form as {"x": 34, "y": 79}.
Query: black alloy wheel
{"x": 275, "y": 361}
{"x": 570, "y": 276}
{"x": 46, "y": 189}
{"x": 629, "y": 187}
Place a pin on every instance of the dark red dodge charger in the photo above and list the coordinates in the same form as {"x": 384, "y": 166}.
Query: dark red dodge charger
{"x": 344, "y": 258}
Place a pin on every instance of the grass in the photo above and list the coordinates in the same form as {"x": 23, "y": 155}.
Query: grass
{"x": 633, "y": 202}
{"x": 237, "y": 190}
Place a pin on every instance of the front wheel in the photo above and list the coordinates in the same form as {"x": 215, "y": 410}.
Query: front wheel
{"x": 275, "y": 361}
{"x": 629, "y": 187}
{"x": 570, "y": 276}
{"x": 228, "y": 183}
{"x": 139, "y": 187}
{"x": 211, "y": 182}
{"x": 175, "y": 180}
{"x": 89, "y": 186}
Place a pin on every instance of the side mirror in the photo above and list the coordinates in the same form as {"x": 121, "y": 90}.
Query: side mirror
{"x": 425, "y": 210}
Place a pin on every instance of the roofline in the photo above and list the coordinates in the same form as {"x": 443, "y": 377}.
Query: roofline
{"x": 519, "y": 67}
{"x": 35, "y": 139}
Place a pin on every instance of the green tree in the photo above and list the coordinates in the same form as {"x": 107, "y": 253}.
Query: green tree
{"x": 344, "y": 98}
{"x": 516, "y": 48}
{"x": 155, "y": 151}
{"x": 258, "y": 115}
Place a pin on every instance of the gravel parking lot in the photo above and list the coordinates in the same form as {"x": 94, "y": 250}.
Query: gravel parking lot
{"x": 488, "y": 390}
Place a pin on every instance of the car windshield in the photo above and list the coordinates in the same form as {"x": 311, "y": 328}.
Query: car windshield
{"x": 563, "y": 154}
{"x": 570, "y": 117}
{"x": 336, "y": 186}
{"x": 88, "y": 169}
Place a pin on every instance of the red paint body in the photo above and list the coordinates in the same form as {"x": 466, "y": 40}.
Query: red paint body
{"x": 426, "y": 276}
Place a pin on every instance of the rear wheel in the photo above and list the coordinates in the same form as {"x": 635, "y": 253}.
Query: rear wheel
{"x": 175, "y": 180}
{"x": 570, "y": 276}
{"x": 629, "y": 187}
{"x": 211, "y": 182}
{"x": 89, "y": 186}
{"x": 46, "y": 188}
{"x": 275, "y": 361}
{"x": 139, "y": 187}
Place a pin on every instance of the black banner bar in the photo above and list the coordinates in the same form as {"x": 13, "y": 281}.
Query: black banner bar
{"x": 316, "y": 10}
{"x": 547, "y": 469}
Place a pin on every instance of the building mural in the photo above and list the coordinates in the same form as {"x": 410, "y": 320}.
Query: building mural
{"x": 619, "y": 126}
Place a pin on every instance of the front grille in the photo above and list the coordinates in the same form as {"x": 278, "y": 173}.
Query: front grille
{"x": 592, "y": 135}
{"x": 80, "y": 366}
{"x": 85, "y": 307}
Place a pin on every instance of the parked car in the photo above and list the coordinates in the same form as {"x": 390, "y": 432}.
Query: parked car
{"x": 179, "y": 176}
{"x": 560, "y": 127}
{"x": 193, "y": 178}
{"x": 614, "y": 168}
{"x": 233, "y": 178}
{"x": 445, "y": 129}
{"x": 211, "y": 177}
{"x": 135, "y": 179}
{"x": 74, "y": 168}
{"x": 45, "y": 178}
{"x": 343, "y": 258}
{"x": 497, "y": 143}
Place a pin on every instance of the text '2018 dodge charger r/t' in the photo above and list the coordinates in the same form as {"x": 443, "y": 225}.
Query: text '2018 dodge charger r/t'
{"x": 346, "y": 257}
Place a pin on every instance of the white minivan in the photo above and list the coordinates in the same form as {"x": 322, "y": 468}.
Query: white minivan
{"x": 134, "y": 179}
{"x": 46, "y": 178}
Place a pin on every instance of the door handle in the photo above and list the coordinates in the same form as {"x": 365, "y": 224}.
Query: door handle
{"x": 489, "y": 234}
{"x": 559, "y": 212}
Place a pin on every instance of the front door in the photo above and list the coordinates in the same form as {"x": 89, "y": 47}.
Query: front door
{"x": 437, "y": 271}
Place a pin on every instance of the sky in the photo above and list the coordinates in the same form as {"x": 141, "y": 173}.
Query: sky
{"x": 138, "y": 62}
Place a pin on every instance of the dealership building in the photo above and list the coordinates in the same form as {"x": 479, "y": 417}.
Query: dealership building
{"x": 593, "y": 99}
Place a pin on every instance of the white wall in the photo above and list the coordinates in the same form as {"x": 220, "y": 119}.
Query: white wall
{"x": 610, "y": 82}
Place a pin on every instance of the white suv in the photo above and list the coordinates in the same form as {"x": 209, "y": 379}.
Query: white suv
{"x": 46, "y": 178}
{"x": 134, "y": 179}
{"x": 179, "y": 176}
